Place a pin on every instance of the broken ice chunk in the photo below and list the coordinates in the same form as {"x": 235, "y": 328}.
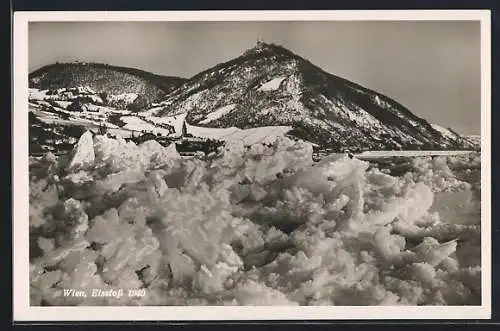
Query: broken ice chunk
{"x": 45, "y": 244}
{"x": 251, "y": 293}
{"x": 74, "y": 219}
{"x": 76, "y": 257}
{"x": 57, "y": 255}
{"x": 389, "y": 246}
{"x": 212, "y": 281}
{"x": 83, "y": 153}
{"x": 432, "y": 252}
{"x": 48, "y": 279}
{"x": 422, "y": 271}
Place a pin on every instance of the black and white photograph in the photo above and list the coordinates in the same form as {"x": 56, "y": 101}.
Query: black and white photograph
{"x": 304, "y": 162}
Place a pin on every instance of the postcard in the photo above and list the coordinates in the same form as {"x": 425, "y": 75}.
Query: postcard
{"x": 252, "y": 165}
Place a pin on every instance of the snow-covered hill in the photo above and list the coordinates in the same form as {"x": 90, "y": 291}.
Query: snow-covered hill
{"x": 102, "y": 78}
{"x": 270, "y": 86}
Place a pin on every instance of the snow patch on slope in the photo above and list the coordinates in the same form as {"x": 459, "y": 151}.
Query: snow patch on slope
{"x": 218, "y": 113}
{"x": 36, "y": 94}
{"x": 445, "y": 132}
{"x": 128, "y": 98}
{"x": 272, "y": 85}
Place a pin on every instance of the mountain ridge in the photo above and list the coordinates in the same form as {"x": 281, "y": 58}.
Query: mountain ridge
{"x": 236, "y": 85}
{"x": 266, "y": 86}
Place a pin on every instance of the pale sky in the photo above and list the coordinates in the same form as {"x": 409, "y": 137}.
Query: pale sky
{"x": 432, "y": 68}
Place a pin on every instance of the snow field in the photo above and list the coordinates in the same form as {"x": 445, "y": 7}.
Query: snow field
{"x": 265, "y": 134}
{"x": 134, "y": 123}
